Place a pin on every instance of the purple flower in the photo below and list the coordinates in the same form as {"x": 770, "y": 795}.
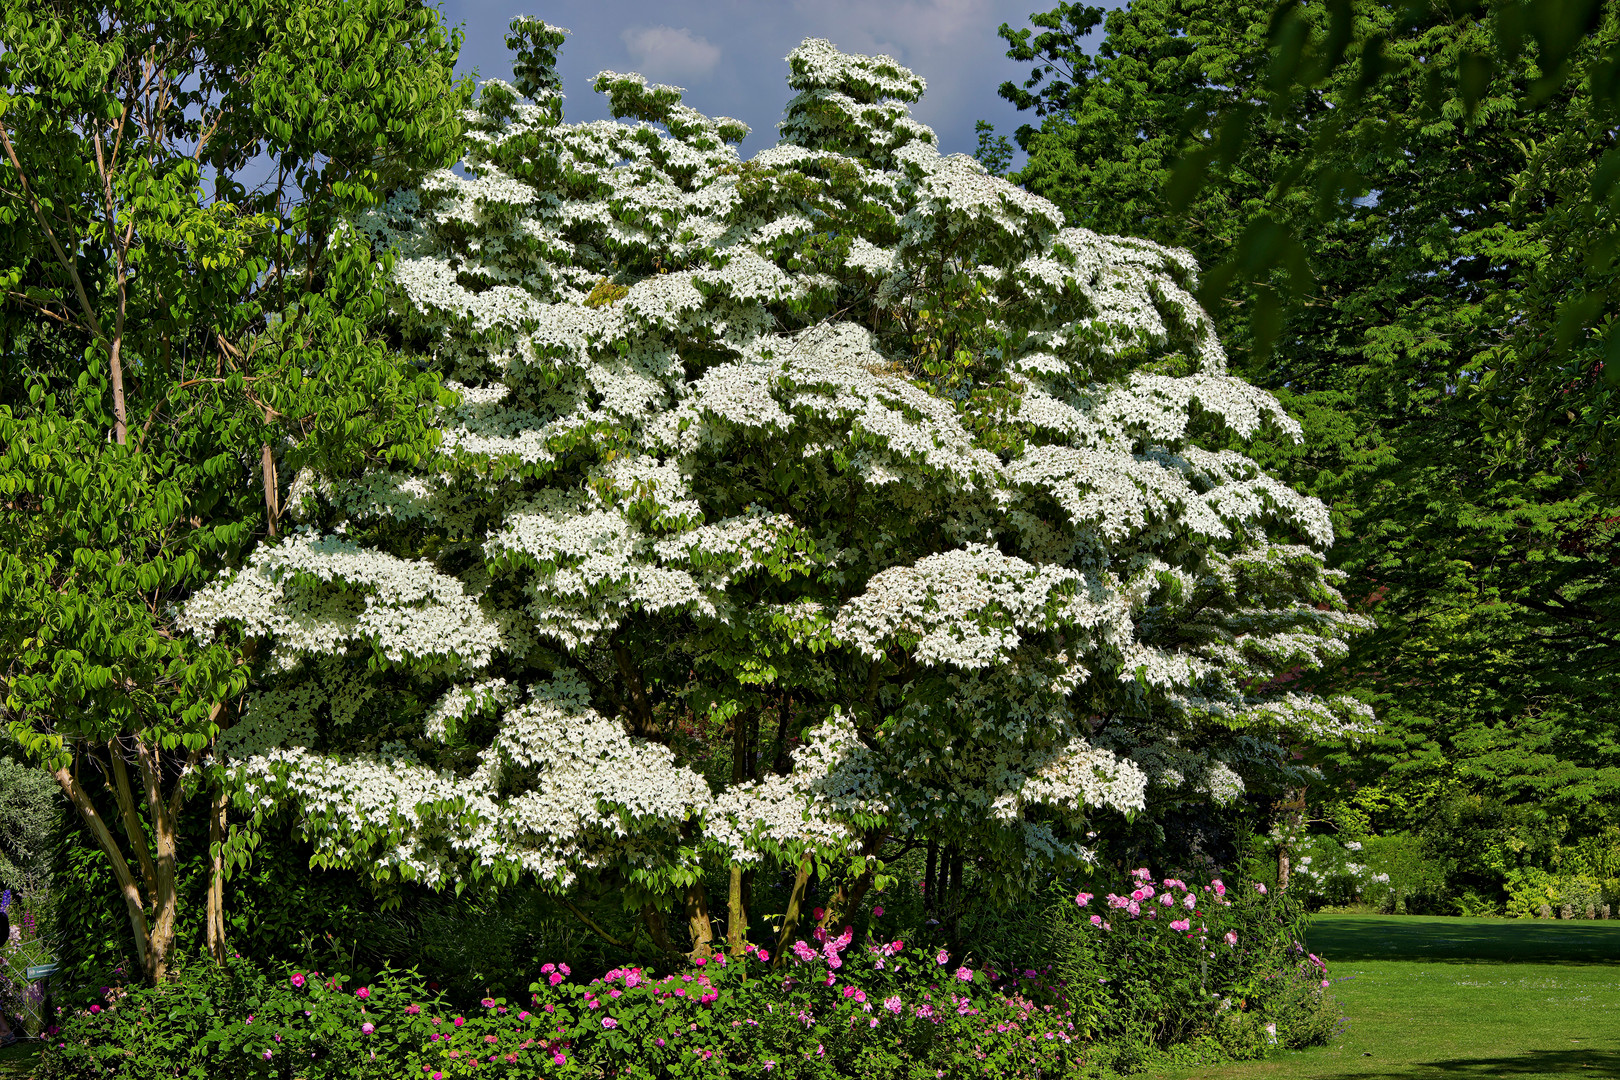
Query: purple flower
{"x": 5, "y": 900}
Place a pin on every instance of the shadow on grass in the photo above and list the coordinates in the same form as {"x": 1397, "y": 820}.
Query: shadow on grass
{"x": 1596, "y": 1063}
{"x": 1420, "y": 937}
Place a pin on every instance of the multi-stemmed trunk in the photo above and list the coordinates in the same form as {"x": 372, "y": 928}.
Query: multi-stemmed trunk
{"x": 150, "y": 898}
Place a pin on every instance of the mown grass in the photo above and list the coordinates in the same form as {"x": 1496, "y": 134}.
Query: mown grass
{"x": 1459, "y": 999}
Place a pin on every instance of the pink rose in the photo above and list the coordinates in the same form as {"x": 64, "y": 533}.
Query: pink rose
{"x": 1083, "y": 898}
{"x": 363, "y": 993}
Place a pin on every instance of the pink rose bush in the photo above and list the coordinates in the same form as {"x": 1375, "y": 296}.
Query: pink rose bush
{"x": 1222, "y": 964}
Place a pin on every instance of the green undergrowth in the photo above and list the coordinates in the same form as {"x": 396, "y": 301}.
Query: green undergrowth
{"x": 17, "y": 1061}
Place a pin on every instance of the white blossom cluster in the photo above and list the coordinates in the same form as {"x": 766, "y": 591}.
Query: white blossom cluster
{"x": 698, "y": 456}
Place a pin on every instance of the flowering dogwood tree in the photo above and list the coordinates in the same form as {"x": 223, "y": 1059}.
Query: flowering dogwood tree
{"x": 849, "y": 452}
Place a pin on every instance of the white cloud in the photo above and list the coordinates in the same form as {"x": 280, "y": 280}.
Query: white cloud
{"x": 662, "y": 52}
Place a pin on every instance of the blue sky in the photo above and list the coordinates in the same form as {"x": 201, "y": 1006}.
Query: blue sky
{"x": 728, "y": 54}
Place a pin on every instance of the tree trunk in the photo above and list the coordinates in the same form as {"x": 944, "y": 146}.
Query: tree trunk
{"x": 782, "y": 763}
{"x": 737, "y": 913}
{"x": 216, "y": 877}
{"x": 790, "y": 920}
{"x": 1293, "y": 816}
{"x": 849, "y": 894}
{"x": 272, "y": 492}
{"x": 657, "y": 930}
{"x": 123, "y": 879}
{"x": 165, "y": 903}
{"x": 930, "y": 894}
{"x": 698, "y": 922}
{"x": 952, "y": 893}
{"x": 941, "y": 885}
{"x": 736, "y": 900}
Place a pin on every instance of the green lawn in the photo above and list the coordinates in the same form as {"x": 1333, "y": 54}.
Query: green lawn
{"x": 1459, "y": 999}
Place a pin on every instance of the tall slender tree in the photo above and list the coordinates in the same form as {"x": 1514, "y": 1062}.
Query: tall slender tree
{"x": 178, "y": 298}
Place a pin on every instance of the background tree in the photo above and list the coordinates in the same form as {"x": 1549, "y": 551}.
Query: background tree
{"x": 177, "y": 296}
{"x": 1440, "y": 354}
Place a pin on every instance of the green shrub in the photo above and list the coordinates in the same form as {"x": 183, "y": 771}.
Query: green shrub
{"x": 1417, "y": 880}
{"x": 236, "y": 1022}
{"x": 30, "y": 804}
{"x": 1534, "y": 893}
{"x": 1330, "y": 873}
